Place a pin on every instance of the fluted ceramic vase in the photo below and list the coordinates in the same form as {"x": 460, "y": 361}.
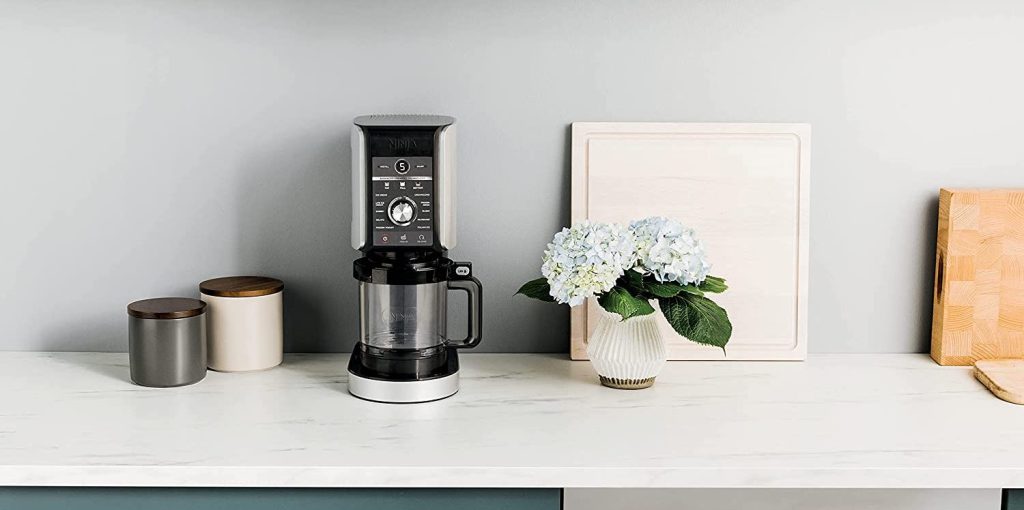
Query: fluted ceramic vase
{"x": 627, "y": 354}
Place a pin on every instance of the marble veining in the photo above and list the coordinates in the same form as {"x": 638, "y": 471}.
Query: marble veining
{"x": 894, "y": 420}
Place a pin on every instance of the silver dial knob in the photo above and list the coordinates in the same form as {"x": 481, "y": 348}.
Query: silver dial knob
{"x": 402, "y": 211}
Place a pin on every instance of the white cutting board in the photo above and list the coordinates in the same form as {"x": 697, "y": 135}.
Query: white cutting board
{"x": 743, "y": 187}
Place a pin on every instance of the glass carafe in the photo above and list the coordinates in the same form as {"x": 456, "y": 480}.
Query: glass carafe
{"x": 414, "y": 317}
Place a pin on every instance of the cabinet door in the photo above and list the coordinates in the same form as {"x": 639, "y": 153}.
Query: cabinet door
{"x": 101, "y": 498}
{"x": 1013, "y": 499}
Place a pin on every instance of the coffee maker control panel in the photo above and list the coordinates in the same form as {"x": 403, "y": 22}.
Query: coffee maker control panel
{"x": 403, "y": 201}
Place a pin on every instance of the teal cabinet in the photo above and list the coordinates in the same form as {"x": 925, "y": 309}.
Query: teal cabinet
{"x": 1013, "y": 499}
{"x": 102, "y": 498}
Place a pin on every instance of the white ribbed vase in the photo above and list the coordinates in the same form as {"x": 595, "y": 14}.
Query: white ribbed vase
{"x": 627, "y": 354}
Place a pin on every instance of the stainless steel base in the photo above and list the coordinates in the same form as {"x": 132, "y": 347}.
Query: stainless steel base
{"x": 403, "y": 392}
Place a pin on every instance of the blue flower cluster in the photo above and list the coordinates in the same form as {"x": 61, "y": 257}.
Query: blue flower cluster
{"x": 587, "y": 259}
{"x": 670, "y": 251}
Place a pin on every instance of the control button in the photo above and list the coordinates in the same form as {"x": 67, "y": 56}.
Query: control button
{"x": 402, "y": 211}
{"x": 462, "y": 270}
{"x": 384, "y": 239}
{"x": 401, "y": 166}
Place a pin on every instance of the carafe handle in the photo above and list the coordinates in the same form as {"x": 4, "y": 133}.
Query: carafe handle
{"x": 461, "y": 278}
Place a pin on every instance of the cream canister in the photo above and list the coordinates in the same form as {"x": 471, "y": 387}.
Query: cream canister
{"x": 244, "y": 321}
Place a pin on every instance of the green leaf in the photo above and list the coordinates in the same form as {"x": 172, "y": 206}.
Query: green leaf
{"x": 713, "y": 284}
{"x": 698, "y": 319}
{"x": 693, "y": 289}
{"x": 668, "y": 289}
{"x": 664, "y": 290}
{"x": 635, "y": 279}
{"x": 633, "y": 282}
{"x": 537, "y": 289}
{"x": 620, "y": 301}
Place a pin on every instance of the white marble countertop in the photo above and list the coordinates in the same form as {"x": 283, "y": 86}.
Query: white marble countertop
{"x": 520, "y": 421}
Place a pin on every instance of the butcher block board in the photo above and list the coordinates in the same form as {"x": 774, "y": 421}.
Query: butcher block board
{"x": 978, "y": 304}
{"x": 1003, "y": 377}
{"x": 743, "y": 187}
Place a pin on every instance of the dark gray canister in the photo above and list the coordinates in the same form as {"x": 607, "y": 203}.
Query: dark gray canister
{"x": 167, "y": 341}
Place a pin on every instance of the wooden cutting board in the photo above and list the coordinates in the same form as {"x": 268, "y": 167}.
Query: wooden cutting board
{"x": 743, "y": 187}
{"x": 1003, "y": 377}
{"x": 978, "y": 305}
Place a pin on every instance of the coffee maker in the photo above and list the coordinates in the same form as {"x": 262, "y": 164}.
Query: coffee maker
{"x": 403, "y": 221}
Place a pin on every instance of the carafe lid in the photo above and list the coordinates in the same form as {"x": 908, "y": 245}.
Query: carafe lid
{"x": 382, "y": 270}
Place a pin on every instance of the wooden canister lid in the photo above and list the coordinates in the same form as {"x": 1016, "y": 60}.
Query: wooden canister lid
{"x": 241, "y": 286}
{"x": 166, "y": 308}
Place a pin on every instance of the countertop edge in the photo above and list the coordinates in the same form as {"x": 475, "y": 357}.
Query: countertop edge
{"x": 508, "y": 477}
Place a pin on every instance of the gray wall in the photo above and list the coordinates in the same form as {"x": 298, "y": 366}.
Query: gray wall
{"x": 149, "y": 145}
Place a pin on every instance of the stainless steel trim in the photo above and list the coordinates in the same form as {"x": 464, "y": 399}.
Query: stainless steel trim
{"x": 403, "y": 392}
{"x": 401, "y": 178}
{"x": 358, "y": 188}
{"x": 401, "y": 120}
{"x": 445, "y": 189}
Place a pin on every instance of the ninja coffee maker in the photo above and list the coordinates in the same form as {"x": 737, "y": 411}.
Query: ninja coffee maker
{"x": 403, "y": 220}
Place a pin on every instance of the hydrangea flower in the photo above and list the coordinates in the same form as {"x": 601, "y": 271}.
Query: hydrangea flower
{"x": 670, "y": 251}
{"x": 586, "y": 259}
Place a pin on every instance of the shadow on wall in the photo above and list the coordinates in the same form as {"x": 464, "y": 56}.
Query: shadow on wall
{"x": 294, "y": 214}
{"x": 565, "y": 214}
{"x": 927, "y": 282}
{"x": 105, "y": 331}
{"x": 88, "y": 333}
{"x": 527, "y": 325}
{"x": 294, "y": 201}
